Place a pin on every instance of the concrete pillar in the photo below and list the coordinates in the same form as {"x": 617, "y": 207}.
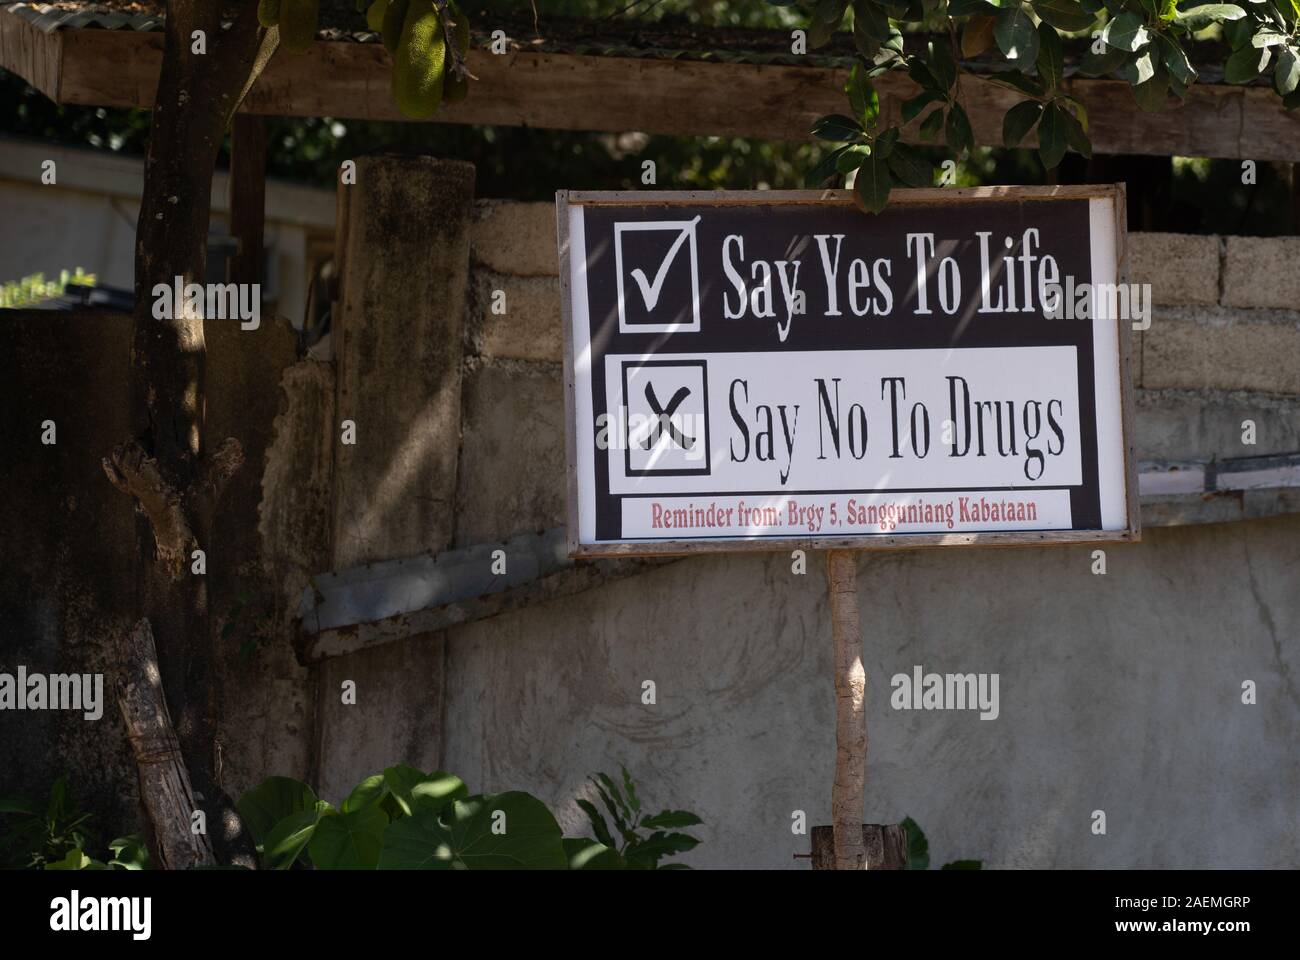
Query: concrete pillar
{"x": 404, "y": 231}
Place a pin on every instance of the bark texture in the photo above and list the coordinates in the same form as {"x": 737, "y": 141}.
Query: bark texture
{"x": 165, "y": 791}
{"x": 212, "y": 54}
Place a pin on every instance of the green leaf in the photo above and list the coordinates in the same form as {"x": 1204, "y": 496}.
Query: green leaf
{"x": 1141, "y": 68}
{"x": 129, "y": 853}
{"x": 1286, "y": 75}
{"x": 1051, "y": 136}
{"x": 1051, "y": 58}
{"x": 527, "y": 836}
{"x": 350, "y": 840}
{"x": 598, "y": 824}
{"x": 1268, "y": 38}
{"x": 659, "y": 845}
{"x": 837, "y": 127}
{"x": 871, "y": 20}
{"x": 671, "y": 820}
{"x": 399, "y": 779}
{"x": 1126, "y": 32}
{"x": 883, "y": 145}
{"x": 1068, "y": 15}
{"x": 1016, "y": 80}
{"x": 863, "y": 100}
{"x": 1245, "y": 64}
{"x": 290, "y": 836}
{"x": 963, "y": 865}
{"x": 872, "y": 188}
{"x": 852, "y": 158}
{"x": 612, "y": 789}
{"x": 438, "y": 789}
{"x": 931, "y": 125}
{"x": 909, "y": 166}
{"x": 409, "y": 787}
{"x": 1175, "y": 59}
{"x": 918, "y": 848}
{"x": 1019, "y": 120}
{"x": 271, "y": 802}
{"x": 941, "y": 64}
{"x": 1151, "y": 94}
{"x": 913, "y": 107}
{"x": 1075, "y": 136}
{"x": 919, "y": 71}
{"x": 630, "y": 789}
{"x": 819, "y": 34}
{"x": 830, "y": 11}
{"x": 75, "y": 860}
{"x": 819, "y": 174}
{"x": 957, "y": 131}
{"x": 1197, "y": 18}
{"x": 1016, "y": 36}
{"x": 584, "y": 854}
{"x": 1102, "y": 64}
{"x": 368, "y": 791}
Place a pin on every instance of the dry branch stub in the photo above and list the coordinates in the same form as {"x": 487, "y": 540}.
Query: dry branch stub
{"x": 165, "y": 791}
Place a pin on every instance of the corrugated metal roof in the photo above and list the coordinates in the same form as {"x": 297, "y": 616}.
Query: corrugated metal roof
{"x": 48, "y": 17}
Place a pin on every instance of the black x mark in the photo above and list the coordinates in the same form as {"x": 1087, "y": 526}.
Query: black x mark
{"x": 661, "y": 417}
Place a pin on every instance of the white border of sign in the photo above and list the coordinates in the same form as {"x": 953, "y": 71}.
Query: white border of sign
{"x": 1118, "y": 486}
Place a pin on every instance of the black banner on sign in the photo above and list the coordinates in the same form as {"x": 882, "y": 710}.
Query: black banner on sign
{"x": 763, "y": 368}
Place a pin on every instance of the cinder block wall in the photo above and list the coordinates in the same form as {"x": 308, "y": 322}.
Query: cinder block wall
{"x": 1223, "y": 347}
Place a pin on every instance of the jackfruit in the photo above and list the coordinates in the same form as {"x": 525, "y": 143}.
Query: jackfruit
{"x": 420, "y": 63}
{"x": 375, "y": 15}
{"x": 268, "y": 12}
{"x": 298, "y": 19}
{"x": 394, "y": 17}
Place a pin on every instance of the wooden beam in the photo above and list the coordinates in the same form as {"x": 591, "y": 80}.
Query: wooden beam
{"x": 31, "y": 53}
{"x": 247, "y": 197}
{"x": 348, "y": 80}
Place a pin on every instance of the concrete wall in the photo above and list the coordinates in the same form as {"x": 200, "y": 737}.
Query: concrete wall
{"x": 1119, "y": 692}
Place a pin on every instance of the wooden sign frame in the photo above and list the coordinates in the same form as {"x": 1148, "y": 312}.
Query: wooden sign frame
{"x": 1114, "y": 193}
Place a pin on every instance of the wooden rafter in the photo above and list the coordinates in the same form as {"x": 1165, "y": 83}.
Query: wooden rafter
{"x": 350, "y": 80}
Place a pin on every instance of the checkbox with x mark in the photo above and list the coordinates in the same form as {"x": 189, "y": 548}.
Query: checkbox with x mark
{"x": 658, "y": 276}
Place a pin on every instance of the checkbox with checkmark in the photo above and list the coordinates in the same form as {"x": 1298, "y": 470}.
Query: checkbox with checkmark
{"x": 658, "y": 276}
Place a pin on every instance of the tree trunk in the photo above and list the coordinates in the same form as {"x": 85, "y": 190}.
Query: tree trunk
{"x": 166, "y": 465}
{"x": 850, "y": 712}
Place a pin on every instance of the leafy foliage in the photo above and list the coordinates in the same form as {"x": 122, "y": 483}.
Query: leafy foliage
{"x": 57, "y": 836}
{"x": 918, "y": 851}
{"x": 404, "y": 819}
{"x": 1143, "y": 42}
{"x": 627, "y": 845}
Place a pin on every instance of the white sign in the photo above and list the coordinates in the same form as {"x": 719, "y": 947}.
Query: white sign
{"x": 750, "y": 369}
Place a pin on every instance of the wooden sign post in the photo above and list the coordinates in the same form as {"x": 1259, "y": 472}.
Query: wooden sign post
{"x": 850, "y": 711}
{"x": 778, "y": 371}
